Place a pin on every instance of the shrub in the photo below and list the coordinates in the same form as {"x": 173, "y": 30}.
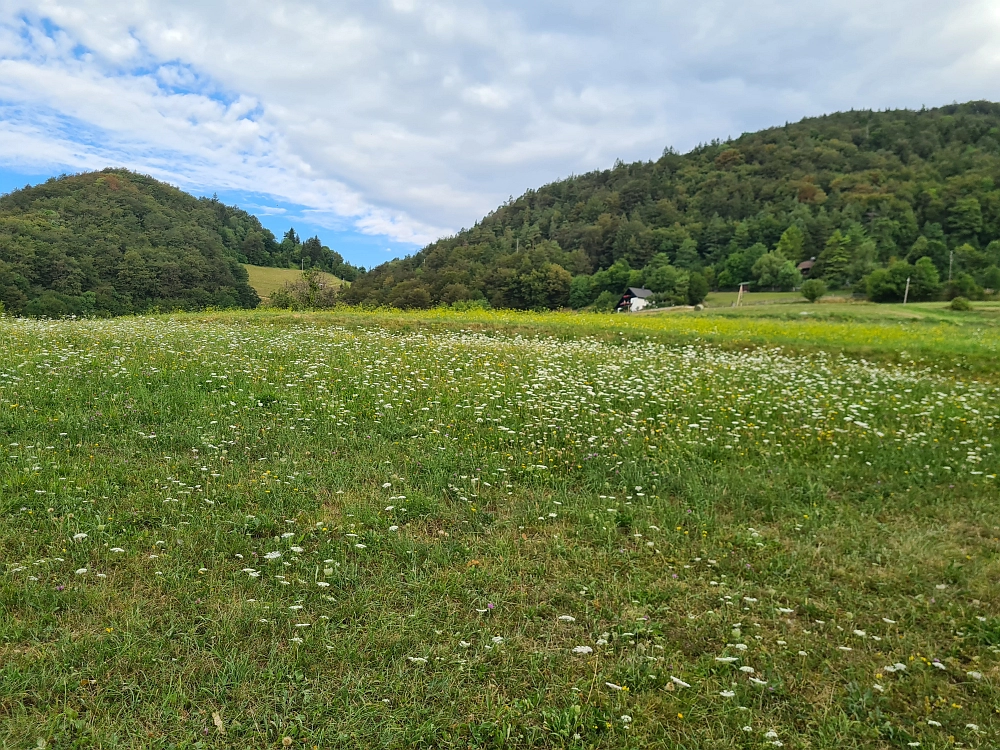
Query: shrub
{"x": 961, "y": 304}
{"x": 813, "y": 289}
{"x": 409, "y": 295}
{"x": 925, "y": 284}
{"x": 882, "y": 287}
{"x": 963, "y": 285}
{"x": 606, "y": 301}
{"x": 313, "y": 291}
{"x": 697, "y": 288}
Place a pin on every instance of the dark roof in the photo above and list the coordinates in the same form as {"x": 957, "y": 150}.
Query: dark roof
{"x": 639, "y": 292}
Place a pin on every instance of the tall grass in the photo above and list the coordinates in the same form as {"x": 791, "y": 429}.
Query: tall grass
{"x": 495, "y": 530}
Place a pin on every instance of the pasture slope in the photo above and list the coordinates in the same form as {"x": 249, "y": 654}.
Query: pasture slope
{"x": 265, "y": 281}
{"x": 736, "y": 529}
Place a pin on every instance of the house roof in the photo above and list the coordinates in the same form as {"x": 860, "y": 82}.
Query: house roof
{"x": 806, "y": 264}
{"x": 640, "y": 292}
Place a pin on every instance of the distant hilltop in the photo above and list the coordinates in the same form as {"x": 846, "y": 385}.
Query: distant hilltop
{"x": 853, "y": 192}
{"x": 116, "y": 242}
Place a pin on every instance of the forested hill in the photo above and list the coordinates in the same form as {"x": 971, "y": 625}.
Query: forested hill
{"x": 859, "y": 191}
{"x": 115, "y": 242}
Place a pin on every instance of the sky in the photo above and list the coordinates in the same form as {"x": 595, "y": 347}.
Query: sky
{"x": 382, "y": 125}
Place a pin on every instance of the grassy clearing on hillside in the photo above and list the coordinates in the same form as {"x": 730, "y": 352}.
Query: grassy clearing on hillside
{"x": 496, "y": 530}
{"x": 727, "y": 299}
{"x": 266, "y": 280}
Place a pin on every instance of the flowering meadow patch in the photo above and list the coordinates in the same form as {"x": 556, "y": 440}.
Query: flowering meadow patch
{"x": 357, "y": 532}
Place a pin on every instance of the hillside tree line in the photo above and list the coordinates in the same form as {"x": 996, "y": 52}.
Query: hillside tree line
{"x": 874, "y": 197}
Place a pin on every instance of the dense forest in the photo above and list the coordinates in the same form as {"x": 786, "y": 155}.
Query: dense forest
{"x": 874, "y": 197}
{"x": 116, "y": 242}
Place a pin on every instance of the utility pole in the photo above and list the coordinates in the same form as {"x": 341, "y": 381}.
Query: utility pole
{"x": 906, "y": 294}
{"x": 951, "y": 260}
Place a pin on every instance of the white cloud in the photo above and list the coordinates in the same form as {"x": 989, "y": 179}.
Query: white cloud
{"x": 411, "y": 118}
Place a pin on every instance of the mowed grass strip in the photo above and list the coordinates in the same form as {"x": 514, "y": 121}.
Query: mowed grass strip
{"x": 353, "y": 530}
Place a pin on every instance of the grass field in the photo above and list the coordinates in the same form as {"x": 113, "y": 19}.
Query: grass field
{"x": 732, "y": 529}
{"x": 727, "y": 299}
{"x": 266, "y": 280}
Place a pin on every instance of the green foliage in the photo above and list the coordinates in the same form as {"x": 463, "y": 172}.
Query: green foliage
{"x": 697, "y": 288}
{"x": 856, "y": 190}
{"x": 470, "y": 304}
{"x": 792, "y": 243}
{"x": 671, "y": 286}
{"x": 116, "y": 242}
{"x": 813, "y": 289}
{"x": 580, "y": 291}
{"x": 312, "y": 292}
{"x": 834, "y": 260}
{"x": 606, "y": 301}
{"x": 961, "y": 304}
{"x": 963, "y": 285}
{"x": 925, "y": 284}
{"x": 410, "y": 294}
{"x": 775, "y": 272}
{"x": 991, "y": 279}
{"x": 889, "y": 284}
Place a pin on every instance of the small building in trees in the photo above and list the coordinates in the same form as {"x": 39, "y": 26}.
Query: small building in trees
{"x": 634, "y": 299}
{"x": 805, "y": 267}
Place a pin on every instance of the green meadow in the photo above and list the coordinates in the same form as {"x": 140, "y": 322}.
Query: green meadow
{"x": 768, "y": 526}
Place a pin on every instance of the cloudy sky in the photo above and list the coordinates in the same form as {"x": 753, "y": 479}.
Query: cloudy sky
{"x": 384, "y": 124}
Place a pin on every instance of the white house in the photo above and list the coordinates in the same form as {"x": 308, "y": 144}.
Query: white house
{"x": 634, "y": 300}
